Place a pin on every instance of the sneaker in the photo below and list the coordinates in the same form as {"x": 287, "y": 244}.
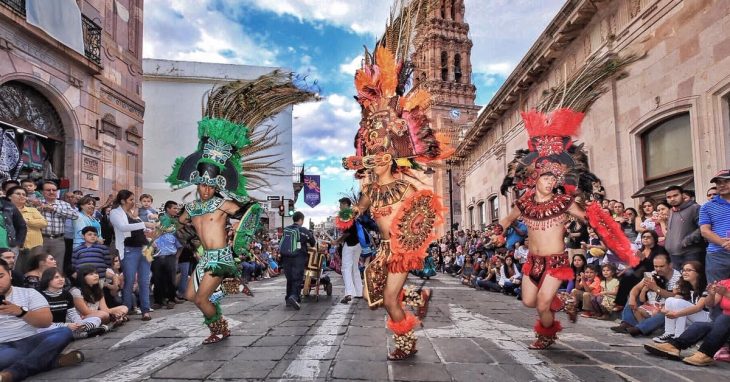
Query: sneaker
{"x": 78, "y": 335}
{"x": 137, "y": 311}
{"x": 663, "y": 338}
{"x": 293, "y": 302}
{"x": 93, "y": 332}
{"x": 698, "y": 359}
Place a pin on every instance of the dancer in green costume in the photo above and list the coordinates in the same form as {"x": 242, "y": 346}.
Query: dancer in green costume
{"x": 229, "y": 162}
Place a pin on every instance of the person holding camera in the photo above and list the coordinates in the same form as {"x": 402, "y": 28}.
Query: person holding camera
{"x": 642, "y": 314}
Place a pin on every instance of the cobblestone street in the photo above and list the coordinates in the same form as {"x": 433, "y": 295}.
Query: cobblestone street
{"x": 468, "y": 336}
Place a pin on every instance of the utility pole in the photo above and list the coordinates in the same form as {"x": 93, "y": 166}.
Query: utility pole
{"x": 451, "y": 202}
{"x": 282, "y": 215}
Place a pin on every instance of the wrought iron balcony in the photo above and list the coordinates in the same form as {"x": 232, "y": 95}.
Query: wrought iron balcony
{"x": 92, "y": 39}
{"x": 91, "y": 31}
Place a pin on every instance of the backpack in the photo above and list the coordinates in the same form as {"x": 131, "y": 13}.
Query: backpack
{"x": 290, "y": 242}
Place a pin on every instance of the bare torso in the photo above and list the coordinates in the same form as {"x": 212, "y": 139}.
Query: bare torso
{"x": 211, "y": 227}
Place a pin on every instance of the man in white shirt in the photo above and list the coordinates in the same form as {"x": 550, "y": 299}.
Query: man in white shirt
{"x": 23, "y": 351}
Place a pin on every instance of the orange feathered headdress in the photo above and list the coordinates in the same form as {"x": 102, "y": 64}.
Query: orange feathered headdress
{"x": 392, "y": 123}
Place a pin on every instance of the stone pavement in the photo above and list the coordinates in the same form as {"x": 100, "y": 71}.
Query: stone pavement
{"x": 468, "y": 335}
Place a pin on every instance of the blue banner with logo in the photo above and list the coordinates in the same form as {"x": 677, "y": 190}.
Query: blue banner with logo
{"x": 311, "y": 190}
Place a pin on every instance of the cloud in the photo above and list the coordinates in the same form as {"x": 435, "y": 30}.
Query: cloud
{"x": 504, "y": 30}
{"x": 182, "y": 30}
{"x": 320, "y": 213}
{"x": 326, "y": 128}
{"x": 351, "y": 66}
{"x": 361, "y": 17}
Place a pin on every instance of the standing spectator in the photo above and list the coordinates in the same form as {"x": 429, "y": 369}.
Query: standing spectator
{"x": 56, "y": 212}
{"x": 30, "y": 188}
{"x": 87, "y": 218}
{"x": 715, "y": 226}
{"x": 351, "y": 251}
{"x": 522, "y": 251}
{"x": 164, "y": 265}
{"x": 33, "y": 220}
{"x": 663, "y": 210}
{"x": 8, "y": 184}
{"x": 293, "y": 249}
{"x": 577, "y": 233}
{"x": 12, "y": 226}
{"x": 146, "y": 212}
{"x": 629, "y": 224}
{"x": 688, "y": 304}
{"x": 645, "y": 220}
{"x": 711, "y": 192}
{"x": 91, "y": 253}
{"x": 599, "y": 192}
{"x": 617, "y": 211}
{"x": 72, "y": 198}
{"x": 516, "y": 233}
{"x": 186, "y": 235}
{"x": 129, "y": 241}
{"x": 9, "y": 257}
{"x": 23, "y": 351}
{"x": 683, "y": 239}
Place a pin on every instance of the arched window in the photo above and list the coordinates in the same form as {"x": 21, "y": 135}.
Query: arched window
{"x": 443, "y": 9}
{"x": 41, "y": 145}
{"x": 453, "y": 9}
{"x": 444, "y": 66}
{"x": 471, "y": 217}
{"x": 457, "y": 68}
{"x": 494, "y": 209}
{"x": 667, "y": 157}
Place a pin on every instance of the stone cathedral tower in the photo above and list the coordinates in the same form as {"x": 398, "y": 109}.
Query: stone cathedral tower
{"x": 442, "y": 60}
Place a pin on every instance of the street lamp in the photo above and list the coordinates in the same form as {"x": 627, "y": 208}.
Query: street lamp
{"x": 451, "y": 200}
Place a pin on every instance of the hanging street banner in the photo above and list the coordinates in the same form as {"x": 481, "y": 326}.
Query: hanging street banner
{"x": 311, "y": 190}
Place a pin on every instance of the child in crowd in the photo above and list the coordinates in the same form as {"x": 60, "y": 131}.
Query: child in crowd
{"x": 91, "y": 253}
{"x": 147, "y": 213}
{"x": 604, "y": 303}
{"x": 89, "y": 298}
{"x": 588, "y": 284}
{"x": 62, "y": 307}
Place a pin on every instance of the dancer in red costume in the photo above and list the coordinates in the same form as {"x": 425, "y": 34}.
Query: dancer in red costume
{"x": 551, "y": 178}
{"x": 394, "y": 136}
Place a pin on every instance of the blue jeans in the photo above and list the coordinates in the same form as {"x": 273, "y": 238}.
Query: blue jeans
{"x": 34, "y": 354}
{"x": 184, "y": 269}
{"x": 647, "y": 326}
{"x": 715, "y": 333}
{"x": 134, "y": 265}
{"x": 717, "y": 266}
{"x": 294, "y": 272}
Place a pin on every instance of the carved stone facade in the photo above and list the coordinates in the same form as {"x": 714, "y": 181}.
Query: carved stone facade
{"x": 97, "y": 95}
{"x": 665, "y": 121}
{"x": 442, "y": 60}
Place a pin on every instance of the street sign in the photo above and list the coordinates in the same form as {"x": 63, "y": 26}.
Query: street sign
{"x": 273, "y": 197}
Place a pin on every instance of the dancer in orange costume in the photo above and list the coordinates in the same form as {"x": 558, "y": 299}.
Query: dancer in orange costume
{"x": 394, "y": 136}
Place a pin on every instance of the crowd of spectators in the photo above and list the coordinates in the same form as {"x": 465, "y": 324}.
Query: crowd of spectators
{"x": 76, "y": 268}
{"x": 677, "y": 295}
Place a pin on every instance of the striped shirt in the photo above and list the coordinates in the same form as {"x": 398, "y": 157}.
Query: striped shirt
{"x": 57, "y": 219}
{"x": 716, "y": 214}
{"x": 14, "y": 328}
{"x": 95, "y": 255}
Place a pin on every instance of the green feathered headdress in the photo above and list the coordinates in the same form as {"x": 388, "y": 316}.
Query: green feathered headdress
{"x": 229, "y": 155}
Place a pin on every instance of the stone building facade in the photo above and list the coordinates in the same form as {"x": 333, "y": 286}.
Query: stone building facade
{"x": 76, "y": 117}
{"x": 665, "y": 121}
{"x": 442, "y": 60}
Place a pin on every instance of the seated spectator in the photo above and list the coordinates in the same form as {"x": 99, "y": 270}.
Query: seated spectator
{"x": 458, "y": 262}
{"x": 510, "y": 277}
{"x": 588, "y": 286}
{"x": 594, "y": 248}
{"x": 603, "y": 304}
{"x": 645, "y": 220}
{"x": 23, "y": 351}
{"x": 490, "y": 281}
{"x": 62, "y": 307}
{"x": 715, "y": 334}
{"x": 578, "y": 264}
{"x": 9, "y": 257}
{"x": 641, "y": 315}
{"x": 630, "y": 277}
{"x": 688, "y": 304}
{"x": 522, "y": 251}
{"x": 91, "y": 253}
{"x": 38, "y": 264}
{"x": 89, "y": 298}
{"x": 113, "y": 283}
{"x": 467, "y": 271}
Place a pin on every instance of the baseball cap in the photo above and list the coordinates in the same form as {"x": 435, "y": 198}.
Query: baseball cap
{"x": 723, "y": 174}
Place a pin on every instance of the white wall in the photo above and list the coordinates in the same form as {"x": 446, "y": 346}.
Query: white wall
{"x": 173, "y": 91}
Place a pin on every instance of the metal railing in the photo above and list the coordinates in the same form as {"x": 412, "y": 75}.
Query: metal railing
{"x": 92, "y": 39}
{"x": 91, "y": 31}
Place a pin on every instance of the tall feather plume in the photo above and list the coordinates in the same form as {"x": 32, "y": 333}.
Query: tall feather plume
{"x": 250, "y": 104}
